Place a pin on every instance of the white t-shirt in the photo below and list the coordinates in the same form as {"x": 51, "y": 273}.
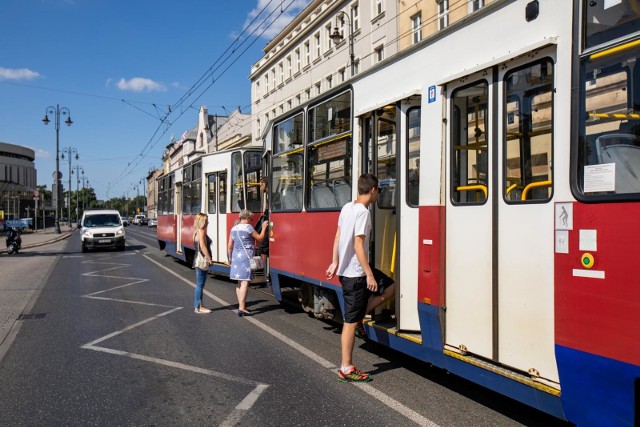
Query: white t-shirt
{"x": 354, "y": 220}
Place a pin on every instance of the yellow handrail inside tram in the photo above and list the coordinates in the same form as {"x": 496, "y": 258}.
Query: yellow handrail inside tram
{"x": 534, "y": 185}
{"x": 480, "y": 187}
{"x": 511, "y": 187}
{"x": 615, "y": 49}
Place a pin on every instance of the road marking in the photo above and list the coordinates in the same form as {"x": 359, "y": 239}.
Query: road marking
{"x": 239, "y": 411}
{"x": 373, "y": 392}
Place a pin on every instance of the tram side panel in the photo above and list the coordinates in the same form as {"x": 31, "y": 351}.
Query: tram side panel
{"x": 598, "y": 321}
{"x": 166, "y": 233}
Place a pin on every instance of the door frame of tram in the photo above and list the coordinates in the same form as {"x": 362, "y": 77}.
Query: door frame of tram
{"x": 387, "y": 233}
{"x": 217, "y": 219}
{"x": 499, "y": 276}
{"x": 178, "y": 210}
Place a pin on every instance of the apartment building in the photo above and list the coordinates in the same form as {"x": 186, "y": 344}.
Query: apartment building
{"x": 303, "y": 62}
{"x": 419, "y": 19}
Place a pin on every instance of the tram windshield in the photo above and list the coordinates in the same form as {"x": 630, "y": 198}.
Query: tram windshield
{"x": 609, "y": 140}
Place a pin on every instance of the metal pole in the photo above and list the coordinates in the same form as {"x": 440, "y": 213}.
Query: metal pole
{"x": 58, "y": 181}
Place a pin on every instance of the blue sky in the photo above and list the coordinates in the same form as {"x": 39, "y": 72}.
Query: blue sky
{"x": 118, "y": 65}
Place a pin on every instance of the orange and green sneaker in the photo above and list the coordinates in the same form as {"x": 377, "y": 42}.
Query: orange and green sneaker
{"x": 353, "y": 376}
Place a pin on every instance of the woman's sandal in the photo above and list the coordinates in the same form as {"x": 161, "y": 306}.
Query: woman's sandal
{"x": 242, "y": 313}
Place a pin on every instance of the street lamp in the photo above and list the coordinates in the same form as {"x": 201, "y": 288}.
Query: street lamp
{"x": 56, "y": 113}
{"x": 77, "y": 172}
{"x": 144, "y": 196}
{"x": 337, "y": 37}
{"x": 69, "y": 152}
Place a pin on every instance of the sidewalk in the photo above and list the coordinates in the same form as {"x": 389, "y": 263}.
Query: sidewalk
{"x": 31, "y": 239}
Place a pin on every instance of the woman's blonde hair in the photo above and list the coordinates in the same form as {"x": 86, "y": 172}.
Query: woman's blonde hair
{"x": 245, "y": 214}
{"x": 201, "y": 220}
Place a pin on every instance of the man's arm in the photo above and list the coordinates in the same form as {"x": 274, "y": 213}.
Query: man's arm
{"x": 333, "y": 267}
{"x": 361, "y": 254}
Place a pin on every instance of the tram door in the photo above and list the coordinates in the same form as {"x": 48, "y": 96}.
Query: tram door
{"x": 178, "y": 204}
{"x": 499, "y": 216}
{"x": 381, "y": 133}
{"x": 217, "y": 209}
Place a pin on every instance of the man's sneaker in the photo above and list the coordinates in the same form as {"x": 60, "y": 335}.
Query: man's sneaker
{"x": 354, "y": 375}
{"x": 360, "y": 331}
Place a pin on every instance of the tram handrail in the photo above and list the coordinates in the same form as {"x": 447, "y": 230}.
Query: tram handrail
{"x": 534, "y": 185}
{"x": 480, "y": 187}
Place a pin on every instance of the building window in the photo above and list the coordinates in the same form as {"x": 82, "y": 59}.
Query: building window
{"x": 443, "y": 14}
{"x": 258, "y": 126}
{"x": 341, "y": 74}
{"x": 297, "y": 60}
{"x": 273, "y": 77}
{"x": 378, "y": 7}
{"x": 317, "y": 45}
{"x": 378, "y": 54}
{"x": 416, "y": 28}
{"x": 327, "y": 41}
{"x": 475, "y": 5}
{"x": 266, "y": 83}
{"x": 257, "y": 89}
{"x": 281, "y": 72}
{"x": 307, "y": 94}
{"x": 307, "y": 53}
{"x": 298, "y": 100}
{"x": 281, "y": 108}
{"x": 329, "y": 82}
{"x": 288, "y": 67}
{"x": 289, "y": 105}
{"x": 355, "y": 16}
{"x": 318, "y": 88}
{"x": 356, "y": 66}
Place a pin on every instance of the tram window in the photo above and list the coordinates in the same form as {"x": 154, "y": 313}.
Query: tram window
{"x": 470, "y": 160}
{"x": 287, "y": 167}
{"x": 528, "y": 127}
{"x": 387, "y": 167}
{"x": 211, "y": 194}
{"x": 237, "y": 195}
{"x": 413, "y": 156}
{"x": 609, "y": 140}
{"x": 286, "y": 187}
{"x": 608, "y": 20}
{"x": 288, "y": 134}
{"x": 332, "y": 117}
{"x": 253, "y": 171}
{"x": 171, "y": 194}
{"x": 161, "y": 195}
{"x": 222, "y": 195}
{"x": 329, "y": 174}
{"x": 196, "y": 189}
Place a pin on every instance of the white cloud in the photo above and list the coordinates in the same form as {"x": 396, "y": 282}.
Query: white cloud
{"x": 283, "y": 12}
{"x": 41, "y": 154}
{"x": 139, "y": 84}
{"x": 18, "y": 74}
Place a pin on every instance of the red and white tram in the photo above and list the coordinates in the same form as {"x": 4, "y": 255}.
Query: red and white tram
{"x": 220, "y": 184}
{"x": 508, "y": 151}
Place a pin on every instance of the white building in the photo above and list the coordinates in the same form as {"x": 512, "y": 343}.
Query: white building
{"x": 302, "y": 62}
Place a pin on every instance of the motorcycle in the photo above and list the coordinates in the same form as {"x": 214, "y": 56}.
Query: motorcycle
{"x": 14, "y": 241}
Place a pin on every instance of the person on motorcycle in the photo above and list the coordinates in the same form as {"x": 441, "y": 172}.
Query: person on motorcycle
{"x": 13, "y": 235}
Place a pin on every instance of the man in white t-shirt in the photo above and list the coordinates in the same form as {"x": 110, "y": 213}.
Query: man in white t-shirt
{"x": 350, "y": 261}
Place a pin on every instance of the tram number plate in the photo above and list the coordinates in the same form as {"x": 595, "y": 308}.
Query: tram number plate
{"x": 104, "y": 240}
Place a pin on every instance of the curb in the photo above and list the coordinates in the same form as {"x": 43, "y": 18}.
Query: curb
{"x": 65, "y": 235}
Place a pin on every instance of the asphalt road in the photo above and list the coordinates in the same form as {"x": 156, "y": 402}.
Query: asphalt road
{"x": 112, "y": 340}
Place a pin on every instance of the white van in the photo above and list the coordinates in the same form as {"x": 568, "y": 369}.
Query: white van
{"x": 102, "y": 229}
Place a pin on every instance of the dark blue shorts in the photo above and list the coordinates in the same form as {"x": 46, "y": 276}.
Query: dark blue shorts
{"x": 356, "y": 295}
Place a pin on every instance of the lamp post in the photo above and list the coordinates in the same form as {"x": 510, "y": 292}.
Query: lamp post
{"x": 78, "y": 169}
{"x": 144, "y": 196}
{"x": 69, "y": 151}
{"x": 337, "y": 37}
{"x": 56, "y": 113}
{"x": 82, "y": 191}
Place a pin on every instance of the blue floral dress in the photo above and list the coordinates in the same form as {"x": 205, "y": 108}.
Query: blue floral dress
{"x": 243, "y": 249}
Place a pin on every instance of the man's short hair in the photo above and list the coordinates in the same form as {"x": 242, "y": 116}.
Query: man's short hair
{"x": 366, "y": 183}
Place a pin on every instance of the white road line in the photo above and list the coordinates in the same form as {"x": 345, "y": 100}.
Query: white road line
{"x": 244, "y": 406}
{"x": 383, "y": 398}
{"x": 239, "y": 411}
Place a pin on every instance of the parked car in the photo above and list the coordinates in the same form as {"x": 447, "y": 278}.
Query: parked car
{"x": 140, "y": 220}
{"x": 152, "y": 222}
{"x": 102, "y": 229}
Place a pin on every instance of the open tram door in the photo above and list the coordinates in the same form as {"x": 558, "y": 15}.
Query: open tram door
{"x": 217, "y": 210}
{"x": 499, "y": 294}
{"x": 387, "y": 154}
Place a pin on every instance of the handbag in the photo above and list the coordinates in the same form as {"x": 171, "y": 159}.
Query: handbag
{"x": 200, "y": 262}
{"x": 255, "y": 262}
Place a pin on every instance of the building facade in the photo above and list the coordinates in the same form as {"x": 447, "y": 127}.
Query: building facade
{"x": 302, "y": 62}
{"x": 18, "y": 180}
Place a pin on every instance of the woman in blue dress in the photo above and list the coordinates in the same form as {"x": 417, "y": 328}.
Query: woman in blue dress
{"x": 239, "y": 252}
